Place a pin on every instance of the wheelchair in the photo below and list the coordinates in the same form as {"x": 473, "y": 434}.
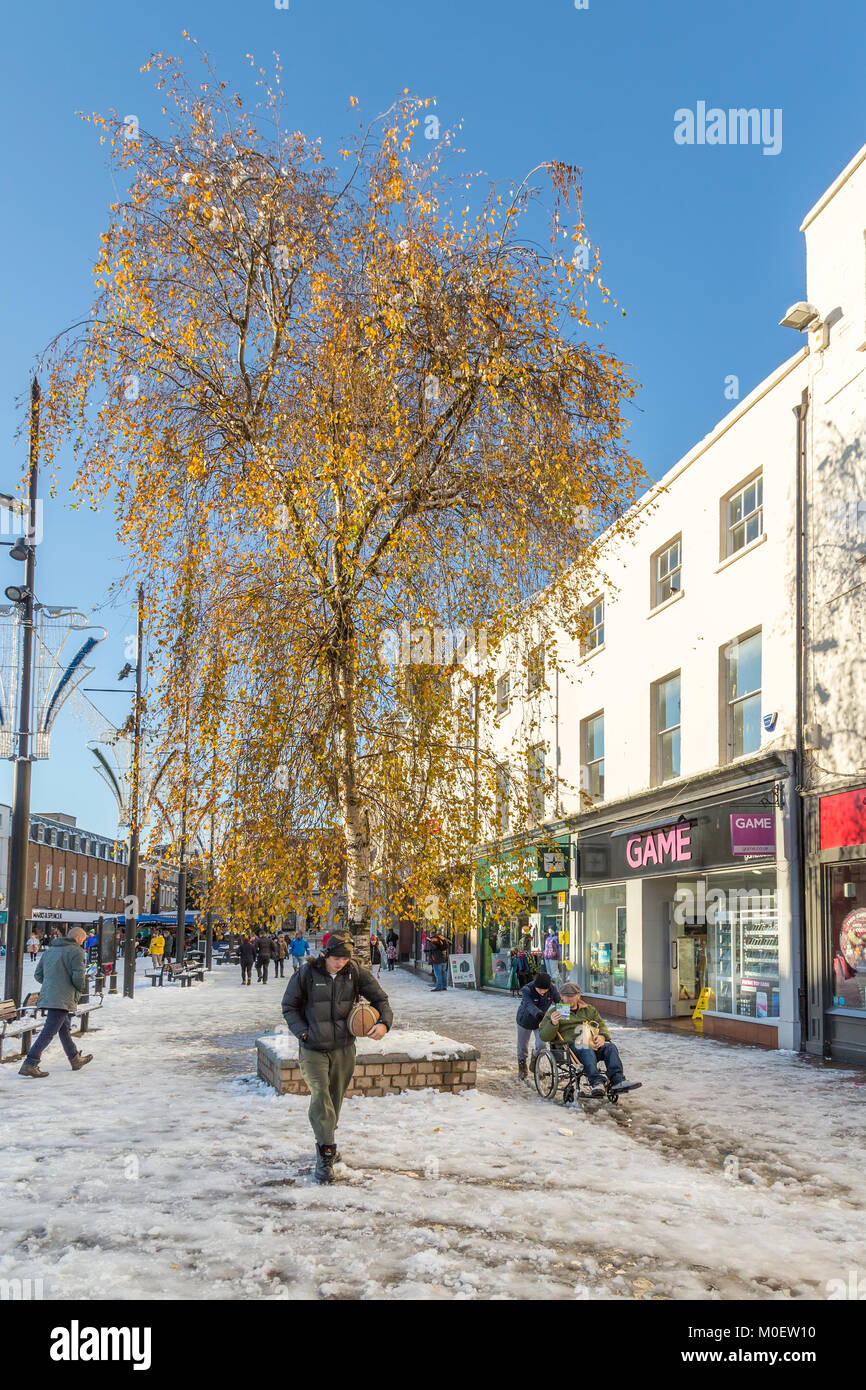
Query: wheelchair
{"x": 557, "y": 1067}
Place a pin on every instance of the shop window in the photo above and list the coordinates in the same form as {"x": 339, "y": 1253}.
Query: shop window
{"x": 742, "y": 676}
{"x": 593, "y": 617}
{"x": 592, "y": 749}
{"x": 743, "y": 943}
{"x": 666, "y": 715}
{"x": 667, "y": 572}
{"x": 503, "y": 937}
{"x": 604, "y": 940}
{"x": 743, "y": 516}
{"x": 848, "y": 936}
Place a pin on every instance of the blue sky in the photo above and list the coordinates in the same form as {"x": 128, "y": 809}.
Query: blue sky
{"x": 700, "y": 243}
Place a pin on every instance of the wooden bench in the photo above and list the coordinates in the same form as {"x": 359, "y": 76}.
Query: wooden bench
{"x": 155, "y": 976}
{"x": 18, "y": 1023}
{"x": 85, "y": 1009}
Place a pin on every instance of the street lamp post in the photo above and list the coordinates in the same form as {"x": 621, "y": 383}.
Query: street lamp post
{"x": 20, "y": 831}
{"x": 132, "y": 867}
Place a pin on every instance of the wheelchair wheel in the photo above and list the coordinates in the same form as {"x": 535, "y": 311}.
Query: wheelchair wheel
{"x": 546, "y": 1075}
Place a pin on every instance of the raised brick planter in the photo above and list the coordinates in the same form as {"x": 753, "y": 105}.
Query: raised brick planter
{"x": 402, "y": 1061}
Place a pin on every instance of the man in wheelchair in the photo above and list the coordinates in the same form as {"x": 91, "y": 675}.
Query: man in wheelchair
{"x": 563, "y": 1025}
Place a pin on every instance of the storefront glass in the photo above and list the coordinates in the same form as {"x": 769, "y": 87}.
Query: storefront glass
{"x": 848, "y": 935}
{"x": 502, "y": 935}
{"x": 604, "y": 928}
{"x": 743, "y": 942}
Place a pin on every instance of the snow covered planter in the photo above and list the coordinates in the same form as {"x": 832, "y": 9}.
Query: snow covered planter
{"x": 402, "y": 1061}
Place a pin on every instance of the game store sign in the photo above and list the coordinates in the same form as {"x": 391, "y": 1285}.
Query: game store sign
{"x": 705, "y": 838}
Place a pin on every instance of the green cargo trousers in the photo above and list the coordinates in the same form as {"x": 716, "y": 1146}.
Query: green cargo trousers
{"x": 328, "y": 1075}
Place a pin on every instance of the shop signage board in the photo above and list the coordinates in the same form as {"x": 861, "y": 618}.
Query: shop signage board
{"x": 706, "y": 838}
{"x": 753, "y": 832}
{"x": 462, "y": 970}
{"x": 843, "y": 819}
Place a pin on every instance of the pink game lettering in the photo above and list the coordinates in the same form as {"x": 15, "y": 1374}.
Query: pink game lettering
{"x": 670, "y": 846}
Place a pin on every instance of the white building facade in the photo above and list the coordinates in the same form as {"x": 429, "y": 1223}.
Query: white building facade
{"x": 719, "y": 689}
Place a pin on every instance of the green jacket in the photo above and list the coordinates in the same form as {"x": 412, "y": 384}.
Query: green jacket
{"x": 571, "y": 1026}
{"x": 60, "y": 971}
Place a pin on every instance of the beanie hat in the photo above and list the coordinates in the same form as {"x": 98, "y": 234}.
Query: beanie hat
{"x": 338, "y": 946}
{"x": 542, "y": 980}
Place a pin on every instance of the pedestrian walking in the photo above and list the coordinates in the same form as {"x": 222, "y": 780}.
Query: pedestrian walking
{"x": 535, "y": 999}
{"x": 391, "y": 954}
{"x": 299, "y": 947}
{"x": 156, "y": 950}
{"x": 281, "y": 950}
{"x": 437, "y": 950}
{"x": 265, "y": 952}
{"x": 61, "y": 972}
{"x": 33, "y": 944}
{"x": 376, "y": 955}
{"x": 169, "y": 944}
{"x": 247, "y": 952}
{"x": 316, "y": 1006}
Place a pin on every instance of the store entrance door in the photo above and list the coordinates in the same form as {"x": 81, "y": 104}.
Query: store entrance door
{"x": 688, "y": 969}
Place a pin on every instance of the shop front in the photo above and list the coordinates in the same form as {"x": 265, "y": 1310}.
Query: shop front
{"x": 692, "y": 910}
{"x": 836, "y": 925}
{"x": 522, "y": 896}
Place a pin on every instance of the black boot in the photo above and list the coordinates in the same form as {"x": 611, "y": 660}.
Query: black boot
{"x": 325, "y": 1154}
{"x": 521, "y": 1068}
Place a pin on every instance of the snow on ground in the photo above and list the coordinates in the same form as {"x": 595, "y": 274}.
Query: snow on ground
{"x": 166, "y": 1170}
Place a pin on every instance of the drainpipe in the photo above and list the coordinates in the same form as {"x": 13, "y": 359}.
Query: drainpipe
{"x": 801, "y": 412}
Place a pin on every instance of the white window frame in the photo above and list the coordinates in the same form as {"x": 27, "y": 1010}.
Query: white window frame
{"x": 595, "y": 636}
{"x": 536, "y": 771}
{"x": 592, "y": 763}
{"x": 731, "y": 755}
{"x": 36, "y": 876}
{"x": 729, "y": 548}
{"x": 61, "y": 879}
{"x": 73, "y": 882}
{"x": 659, "y": 731}
{"x": 659, "y": 580}
{"x": 503, "y": 693}
{"x": 48, "y": 877}
{"x": 535, "y": 669}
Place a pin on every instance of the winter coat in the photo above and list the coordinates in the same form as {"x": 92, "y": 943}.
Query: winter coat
{"x": 316, "y": 1005}
{"x": 60, "y": 971}
{"x": 157, "y": 945}
{"x": 570, "y": 1027}
{"x": 375, "y": 953}
{"x": 437, "y": 949}
{"x": 533, "y": 1006}
{"x": 247, "y": 949}
{"x": 299, "y": 946}
{"x": 280, "y": 948}
{"x": 265, "y": 947}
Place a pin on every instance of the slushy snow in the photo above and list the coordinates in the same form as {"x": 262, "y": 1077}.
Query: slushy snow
{"x": 166, "y": 1170}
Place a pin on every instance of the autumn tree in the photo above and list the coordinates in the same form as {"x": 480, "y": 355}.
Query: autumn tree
{"x": 347, "y": 396}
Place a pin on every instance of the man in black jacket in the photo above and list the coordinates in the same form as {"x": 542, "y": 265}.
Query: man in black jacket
{"x": 535, "y": 999}
{"x": 265, "y": 949}
{"x": 247, "y": 955}
{"x": 316, "y": 1006}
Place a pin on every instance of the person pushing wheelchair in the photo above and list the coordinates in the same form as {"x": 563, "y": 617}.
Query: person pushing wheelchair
{"x": 554, "y": 1027}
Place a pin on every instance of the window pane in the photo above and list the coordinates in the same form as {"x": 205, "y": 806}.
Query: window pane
{"x": 669, "y": 703}
{"x": 669, "y": 750}
{"x": 595, "y": 738}
{"x": 746, "y": 666}
{"x": 747, "y": 725}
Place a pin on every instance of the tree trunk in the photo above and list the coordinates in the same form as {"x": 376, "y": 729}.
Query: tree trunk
{"x": 352, "y": 813}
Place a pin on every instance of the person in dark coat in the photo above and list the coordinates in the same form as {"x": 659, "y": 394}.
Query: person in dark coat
{"x": 376, "y": 955}
{"x": 61, "y": 972}
{"x": 316, "y": 1006}
{"x": 281, "y": 950}
{"x": 535, "y": 999}
{"x": 264, "y": 955}
{"x": 247, "y": 952}
{"x": 437, "y": 950}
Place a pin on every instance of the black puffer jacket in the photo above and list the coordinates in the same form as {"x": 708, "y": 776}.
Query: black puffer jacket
{"x": 533, "y": 1006}
{"x": 247, "y": 950}
{"x": 265, "y": 946}
{"x": 316, "y": 1005}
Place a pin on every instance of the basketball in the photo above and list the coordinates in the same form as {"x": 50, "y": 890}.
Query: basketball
{"x": 362, "y": 1018}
